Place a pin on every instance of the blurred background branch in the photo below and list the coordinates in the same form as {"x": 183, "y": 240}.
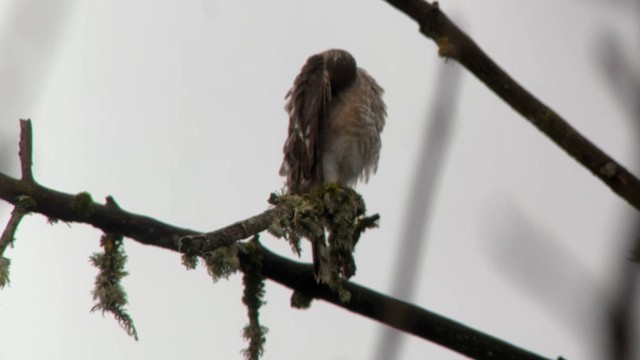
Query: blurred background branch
{"x": 623, "y": 77}
{"x": 413, "y": 239}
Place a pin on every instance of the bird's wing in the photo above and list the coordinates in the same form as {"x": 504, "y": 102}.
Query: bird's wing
{"x": 307, "y": 106}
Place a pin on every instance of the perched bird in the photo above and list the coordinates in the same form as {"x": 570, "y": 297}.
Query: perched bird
{"x": 336, "y": 114}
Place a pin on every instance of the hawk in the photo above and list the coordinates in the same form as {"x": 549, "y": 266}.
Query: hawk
{"x": 336, "y": 115}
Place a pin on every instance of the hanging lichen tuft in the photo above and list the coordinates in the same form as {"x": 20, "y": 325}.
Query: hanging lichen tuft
{"x": 108, "y": 292}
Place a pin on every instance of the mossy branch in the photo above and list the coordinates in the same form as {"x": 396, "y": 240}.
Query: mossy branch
{"x": 111, "y": 219}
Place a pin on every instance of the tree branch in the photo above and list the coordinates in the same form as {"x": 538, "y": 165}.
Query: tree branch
{"x": 229, "y": 234}
{"x": 408, "y": 318}
{"x": 294, "y": 275}
{"x": 454, "y": 43}
{"x": 9, "y": 232}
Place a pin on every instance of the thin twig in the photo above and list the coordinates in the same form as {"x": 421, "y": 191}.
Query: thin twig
{"x": 7, "y": 237}
{"x": 229, "y": 234}
{"x": 26, "y": 143}
{"x": 9, "y": 232}
{"x": 455, "y": 44}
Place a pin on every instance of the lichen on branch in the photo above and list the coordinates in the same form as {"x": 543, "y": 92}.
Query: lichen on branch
{"x": 221, "y": 262}
{"x": 108, "y": 292}
{"x": 336, "y": 209}
{"x": 331, "y": 209}
{"x": 253, "y": 298}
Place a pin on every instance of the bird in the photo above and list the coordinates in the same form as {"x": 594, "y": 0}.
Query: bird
{"x": 336, "y": 114}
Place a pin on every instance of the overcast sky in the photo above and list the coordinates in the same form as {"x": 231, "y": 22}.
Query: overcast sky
{"x": 176, "y": 109}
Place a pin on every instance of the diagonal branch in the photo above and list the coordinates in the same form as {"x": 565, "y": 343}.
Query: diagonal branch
{"x": 111, "y": 218}
{"x": 413, "y": 319}
{"x": 454, "y": 43}
{"x": 9, "y": 232}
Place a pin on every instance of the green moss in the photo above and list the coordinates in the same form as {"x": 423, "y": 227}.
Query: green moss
{"x": 82, "y": 204}
{"x": 333, "y": 210}
{"x": 189, "y": 261}
{"x": 223, "y": 261}
{"x": 108, "y": 292}
{"x": 300, "y": 300}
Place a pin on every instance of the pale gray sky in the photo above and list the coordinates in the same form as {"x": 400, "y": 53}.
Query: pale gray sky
{"x": 176, "y": 109}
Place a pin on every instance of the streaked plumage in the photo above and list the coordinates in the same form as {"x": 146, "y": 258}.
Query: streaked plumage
{"x": 336, "y": 114}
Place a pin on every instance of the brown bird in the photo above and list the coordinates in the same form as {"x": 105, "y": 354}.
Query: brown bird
{"x": 336, "y": 115}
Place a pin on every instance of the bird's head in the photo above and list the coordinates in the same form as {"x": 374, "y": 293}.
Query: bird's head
{"x": 341, "y": 67}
